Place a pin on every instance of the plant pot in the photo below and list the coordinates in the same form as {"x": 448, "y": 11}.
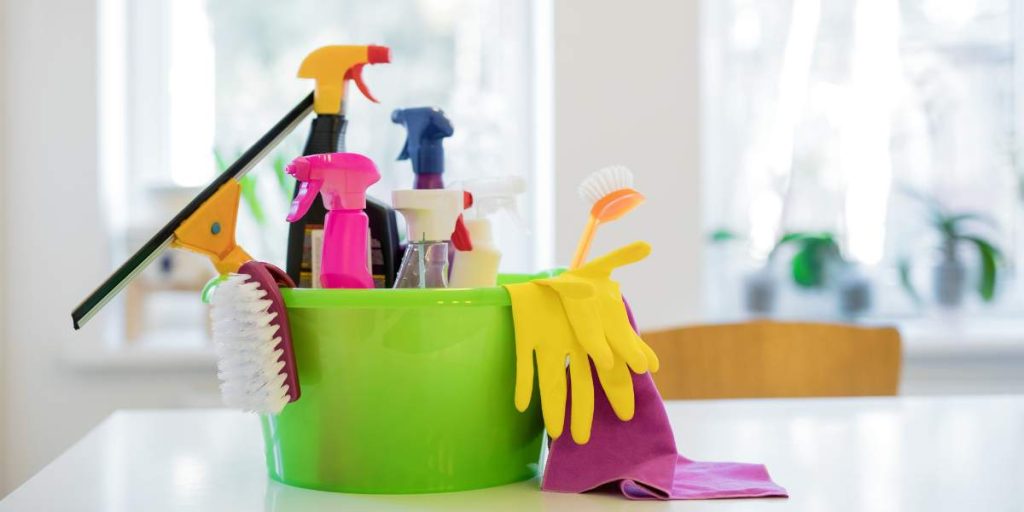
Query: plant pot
{"x": 853, "y": 293}
{"x": 950, "y": 280}
{"x": 759, "y": 292}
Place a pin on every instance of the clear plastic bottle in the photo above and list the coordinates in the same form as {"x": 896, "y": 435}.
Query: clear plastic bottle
{"x": 478, "y": 268}
{"x": 425, "y": 265}
{"x": 430, "y": 216}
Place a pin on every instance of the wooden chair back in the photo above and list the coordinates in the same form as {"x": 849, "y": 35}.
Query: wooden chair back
{"x": 776, "y": 359}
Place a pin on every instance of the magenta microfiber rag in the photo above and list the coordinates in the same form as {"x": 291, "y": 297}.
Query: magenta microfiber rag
{"x": 639, "y": 457}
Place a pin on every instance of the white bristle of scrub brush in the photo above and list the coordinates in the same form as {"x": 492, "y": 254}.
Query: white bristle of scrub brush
{"x": 248, "y": 361}
{"x": 605, "y": 181}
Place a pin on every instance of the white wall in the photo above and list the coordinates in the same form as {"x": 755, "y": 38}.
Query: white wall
{"x": 57, "y": 251}
{"x": 626, "y": 91}
{"x": 4, "y": 43}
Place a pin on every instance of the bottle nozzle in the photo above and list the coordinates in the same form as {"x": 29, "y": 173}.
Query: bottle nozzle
{"x": 495, "y": 194}
{"x": 426, "y": 128}
{"x": 430, "y": 215}
{"x": 378, "y": 54}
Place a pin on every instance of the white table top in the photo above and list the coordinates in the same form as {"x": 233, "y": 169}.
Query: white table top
{"x": 877, "y": 454}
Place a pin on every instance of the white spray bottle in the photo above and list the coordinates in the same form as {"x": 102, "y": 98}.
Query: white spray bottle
{"x": 478, "y": 268}
{"x": 430, "y": 215}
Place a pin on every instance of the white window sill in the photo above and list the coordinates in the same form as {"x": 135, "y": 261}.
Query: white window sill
{"x": 141, "y": 358}
{"x": 967, "y": 355}
{"x": 962, "y": 339}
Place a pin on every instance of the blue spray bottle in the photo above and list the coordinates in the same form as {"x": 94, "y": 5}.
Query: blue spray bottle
{"x": 426, "y": 128}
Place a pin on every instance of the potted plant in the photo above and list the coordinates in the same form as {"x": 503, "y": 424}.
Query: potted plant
{"x": 816, "y": 264}
{"x": 956, "y": 230}
{"x": 759, "y": 289}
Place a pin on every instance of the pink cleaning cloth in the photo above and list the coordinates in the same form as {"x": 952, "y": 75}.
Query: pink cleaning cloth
{"x": 640, "y": 458}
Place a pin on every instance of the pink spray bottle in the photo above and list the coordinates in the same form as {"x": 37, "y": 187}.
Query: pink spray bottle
{"x": 341, "y": 179}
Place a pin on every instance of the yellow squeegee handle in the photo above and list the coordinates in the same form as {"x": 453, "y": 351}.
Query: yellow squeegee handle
{"x": 210, "y": 231}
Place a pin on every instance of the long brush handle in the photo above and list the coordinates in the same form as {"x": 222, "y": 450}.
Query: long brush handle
{"x": 584, "y": 244}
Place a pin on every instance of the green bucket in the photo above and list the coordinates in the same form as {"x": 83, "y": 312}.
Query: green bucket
{"x": 403, "y": 391}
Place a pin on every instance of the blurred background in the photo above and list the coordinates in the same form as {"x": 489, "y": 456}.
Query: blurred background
{"x": 850, "y": 160}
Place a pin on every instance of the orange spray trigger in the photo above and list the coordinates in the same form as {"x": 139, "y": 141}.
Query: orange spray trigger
{"x": 374, "y": 55}
{"x": 356, "y": 74}
{"x": 331, "y": 66}
{"x": 460, "y": 237}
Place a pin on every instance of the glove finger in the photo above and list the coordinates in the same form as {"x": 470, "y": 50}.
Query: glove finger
{"x": 589, "y": 329}
{"x": 524, "y": 346}
{"x": 551, "y": 378}
{"x": 623, "y": 339}
{"x": 625, "y": 255}
{"x": 524, "y": 378}
{"x": 582, "y": 385}
{"x": 653, "y": 364}
{"x": 577, "y": 300}
{"x": 618, "y": 386}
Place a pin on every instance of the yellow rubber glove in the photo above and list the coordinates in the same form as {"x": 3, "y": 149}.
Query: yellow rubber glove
{"x": 542, "y": 329}
{"x": 580, "y": 313}
{"x": 600, "y": 320}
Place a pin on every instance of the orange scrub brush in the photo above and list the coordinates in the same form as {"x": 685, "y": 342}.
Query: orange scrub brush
{"x": 611, "y": 192}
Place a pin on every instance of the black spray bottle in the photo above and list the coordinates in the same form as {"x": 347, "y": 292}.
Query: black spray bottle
{"x": 327, "y": 135}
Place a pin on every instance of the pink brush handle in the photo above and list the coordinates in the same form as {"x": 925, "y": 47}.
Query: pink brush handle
{"x": 343, "y": 262}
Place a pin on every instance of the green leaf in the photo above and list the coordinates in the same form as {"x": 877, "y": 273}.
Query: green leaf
{"x": 785, "y": 239}
{"x": 951, "y": 226}
{"x": 797, "y": 236}
{"x": 248, "y": 186}
{"x": 946, "y": 227}
{"x": 218, "y": 158}
{"x": 989, "y": 257}
{"x": 956, "y": 219}
{"x": 934, "y": 207}
{"x": 722, "y": 235}
{"x": 810, "y": 264}
{"x": 791, "y": 237}
{"x": 804, "y": 269}
{"x": 286, "y": 182}
{"x": 906, "y": 282}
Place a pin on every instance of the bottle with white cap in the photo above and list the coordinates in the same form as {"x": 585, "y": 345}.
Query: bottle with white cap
{"x": 478, "y": 267}
{"x": 430, "y": 216}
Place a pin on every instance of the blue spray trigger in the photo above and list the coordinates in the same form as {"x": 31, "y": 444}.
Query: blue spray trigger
{"x": 426, "y": 127}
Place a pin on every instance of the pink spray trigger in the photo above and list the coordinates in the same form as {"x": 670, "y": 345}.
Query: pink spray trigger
{"x": 304, "y": 199}
{"x": 299, "y": 169}
{"x": 341, "y": 178}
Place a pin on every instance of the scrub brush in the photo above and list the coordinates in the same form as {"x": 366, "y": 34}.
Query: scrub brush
{"x": 610, "y": 191}
{"x": 255, "y": 360}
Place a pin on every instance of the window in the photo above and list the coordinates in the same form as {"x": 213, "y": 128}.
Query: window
{"x": 189, "y": 84}
{"x": 849, "y": 119}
